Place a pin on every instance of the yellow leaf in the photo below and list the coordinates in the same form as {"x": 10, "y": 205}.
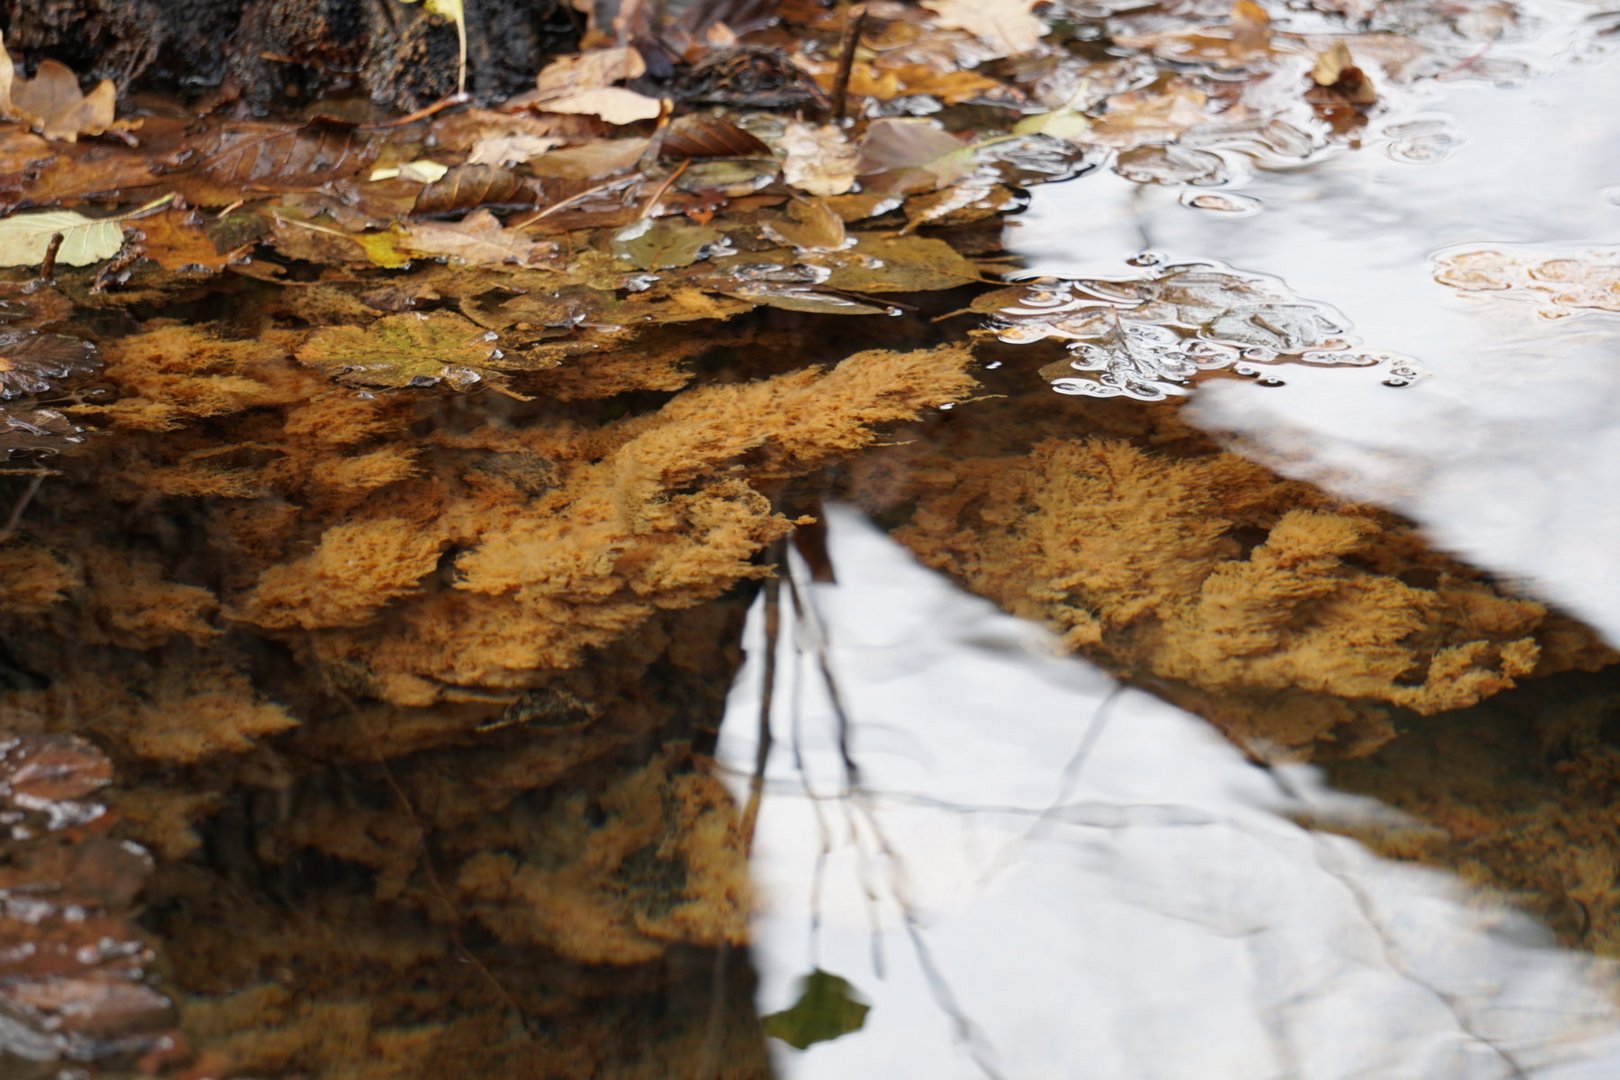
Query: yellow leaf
{"x": 25, "y": 238}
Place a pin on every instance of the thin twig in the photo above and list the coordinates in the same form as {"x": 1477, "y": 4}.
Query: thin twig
{"x": 846, "y": 60}
{"x": 652, "y": 203}
{"x": 47, "y": 265}
{"x": 762, "y": 753}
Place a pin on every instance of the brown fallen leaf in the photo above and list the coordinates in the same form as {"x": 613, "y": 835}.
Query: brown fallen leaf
{"x": 478, "y": 240}
{"x": 1336, "y": 82}
{"x": 510, "y": 149}
{"x": 700, "y": 135}
{"x": 31, "y": 362}
{"x": 820, "y": 160}
{"x": 810, "y": 225}
{"x": 467, "y": 186}
{"x": 52, "y": 104}
{"x": 175, "y": 239}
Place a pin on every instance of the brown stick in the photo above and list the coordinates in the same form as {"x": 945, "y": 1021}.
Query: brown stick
{"x": 846, "y": 60}
{"x": 47, "y": 265}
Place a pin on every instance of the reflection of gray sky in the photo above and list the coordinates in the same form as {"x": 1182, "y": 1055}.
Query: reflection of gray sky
{"x": 1141, "y": 913}
{"x": 1510, "y": 454}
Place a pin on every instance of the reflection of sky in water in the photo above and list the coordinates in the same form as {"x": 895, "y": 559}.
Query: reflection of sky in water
{"x": 1049, "y": 877}
{"x": 1119, "y": 898}
{"x": 1510, "y": 454}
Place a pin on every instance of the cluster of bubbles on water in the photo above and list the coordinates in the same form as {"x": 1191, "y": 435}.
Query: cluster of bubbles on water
{"x": 1151, "y": 336}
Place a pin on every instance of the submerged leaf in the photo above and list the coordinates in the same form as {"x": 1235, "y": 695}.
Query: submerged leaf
{"x": 827, "y": 1008}
{"x": 820, "y": 160}
{"x": 664, "y": 243}
{"x": 413, "y": 349}
{"x": 30, "y": 362}
{"x": 24, "y": 238}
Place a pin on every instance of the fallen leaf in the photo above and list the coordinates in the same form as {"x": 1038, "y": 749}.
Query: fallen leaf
{"x": 1338, "y": 81}
{"x": 514, "y": 149}
{"x": 478, "y": 239}
{"x": 1006, "y": 24}
{"x": 467, "y": 186}
{"x": 32, "y": 362}
{"x": 888, "y": 264}
{"x": 820, "y": 160}
{"x": 24, "y": 238}
{"x": 52, "y": 103}
{"x": 810, "y": 225}
{"x": 420, "y": 171}
{"x": 613, "y": 104}
{"x": 408, "y": 350}
{"x": 664, "y": 243}
{"x": 700, "y": 135}
{"x": 569, "y": 75}
{"x": 176, "y": 240}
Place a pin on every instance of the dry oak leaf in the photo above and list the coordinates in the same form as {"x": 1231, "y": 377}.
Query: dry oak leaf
{"x": 1005, "y": 24}
{"x": 52, "y": 103}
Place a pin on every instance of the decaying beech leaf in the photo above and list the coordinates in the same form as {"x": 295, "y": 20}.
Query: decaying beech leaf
{"x": 895, "y": 264}
{"x": 24, "y": 238}
{"x": 467, "y": 186}
{"x": 1560, "y": 284}
{"x": 407, "y": 350}
{"x": 31, "y": 361}
{"x": 274, "y": 157}
{"x": 37, "y": 769}
{"x": 51, "y": 102}
{"x": 701, "y": 135}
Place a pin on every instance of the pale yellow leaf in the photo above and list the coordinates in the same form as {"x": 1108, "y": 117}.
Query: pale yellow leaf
{"x": 614, "y": 104}
{"x": 1006, "y": 24}
{"x": 24, "y": 238}
{"x": 478, "y": 239}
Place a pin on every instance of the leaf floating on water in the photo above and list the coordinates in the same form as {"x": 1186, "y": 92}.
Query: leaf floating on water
{"x": 1559, "y": 284}
{"x": 664, "y": 243}
{"x": 1338, "y": 86}
{"x": 897, "y": 264}
{"x": 827, "y": 1009}
{"x": 477, "y": 240}
{"x": 820, "y": 160}
{"x": 24, "y": 238}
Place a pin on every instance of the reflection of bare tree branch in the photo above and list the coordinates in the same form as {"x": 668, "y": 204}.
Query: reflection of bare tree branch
{"x": 767, "y": 690}
{"x": 1322, "y": 851}
{"x": 967, "y": 1032}
{"x": 1066, "y": 784}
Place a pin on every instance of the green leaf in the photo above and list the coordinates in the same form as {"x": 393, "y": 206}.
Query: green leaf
{"x": 24, "y": 238}
{"x": 827, "y": 1008}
